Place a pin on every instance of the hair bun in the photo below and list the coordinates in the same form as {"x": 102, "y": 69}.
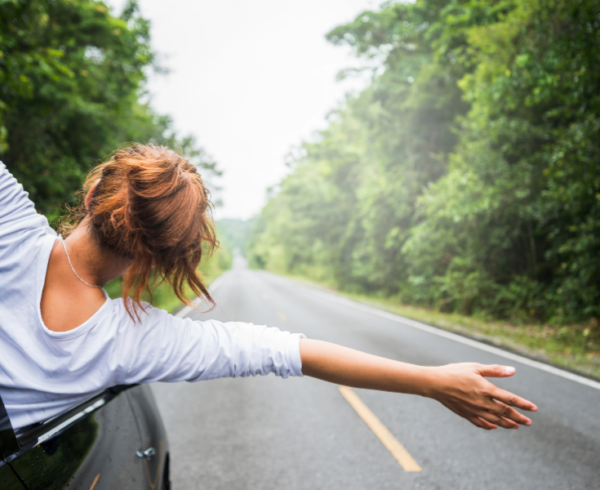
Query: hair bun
{"x": 152, "y": 207}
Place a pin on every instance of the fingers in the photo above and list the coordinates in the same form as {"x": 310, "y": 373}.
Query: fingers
{"x": 513, "y": 400}
{"x": 496, "y": 419}
{"x": 507, "y": 412}
{"x": 496, "y": 371}
{"x": 482, "y": 424}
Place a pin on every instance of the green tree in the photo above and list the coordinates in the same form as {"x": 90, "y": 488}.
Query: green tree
{"x": 71, "y": 91}
{"x": 517, "y": 216}
{"x": 466, "y": 175}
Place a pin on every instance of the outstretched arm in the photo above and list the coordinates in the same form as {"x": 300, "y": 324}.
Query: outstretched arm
{"x": 460, "y": 387}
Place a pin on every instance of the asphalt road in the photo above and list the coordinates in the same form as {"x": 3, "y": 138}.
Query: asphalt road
{"x": 300, "y": 433}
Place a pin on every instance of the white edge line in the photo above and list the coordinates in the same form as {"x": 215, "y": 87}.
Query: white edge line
{"x": 457, "y": 338}
{"x": 212, "y": 288}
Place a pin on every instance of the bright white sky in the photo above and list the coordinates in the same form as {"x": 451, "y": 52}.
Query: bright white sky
{"x": 250, "y": 79}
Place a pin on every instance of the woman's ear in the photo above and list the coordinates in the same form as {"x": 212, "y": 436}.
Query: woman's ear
{"x": 90, "y": 193}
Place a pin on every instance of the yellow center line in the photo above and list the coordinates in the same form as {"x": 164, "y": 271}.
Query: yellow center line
{"x": 95, "y": 481}
{"x": 281, "y": 316}
{"x": 385, "y": 436}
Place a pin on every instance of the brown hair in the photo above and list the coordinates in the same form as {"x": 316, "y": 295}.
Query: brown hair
{"x": 151, "y": 206}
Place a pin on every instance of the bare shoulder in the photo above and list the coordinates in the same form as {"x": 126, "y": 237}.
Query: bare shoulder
{"x": 66, "y": 302}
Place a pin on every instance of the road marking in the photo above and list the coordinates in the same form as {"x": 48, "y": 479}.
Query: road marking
{"x": 457, "y": 338}
{"x": 281, "y": 316}
{"x": 95, "y": 481}
{"x": 212, "y": 288}
{"x": 385, "y": 436}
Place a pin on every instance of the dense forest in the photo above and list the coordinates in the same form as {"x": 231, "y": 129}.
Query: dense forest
{"x": 466, "y": 177}
{"x": 72, "y": 78}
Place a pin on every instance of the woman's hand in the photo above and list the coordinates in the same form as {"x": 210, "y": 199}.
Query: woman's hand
{"x": 463, "y": 389}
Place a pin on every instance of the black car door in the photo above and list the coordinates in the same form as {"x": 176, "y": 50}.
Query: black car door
{"x": 8, "y": 479}
{"x": 97, "y": 449}
{"x": 8, "y": 445}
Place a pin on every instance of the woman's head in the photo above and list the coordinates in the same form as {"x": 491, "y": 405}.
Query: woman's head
{"x": 149, "y": 204}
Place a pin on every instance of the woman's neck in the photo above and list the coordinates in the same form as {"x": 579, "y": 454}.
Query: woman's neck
{"x": 93, "y": 264}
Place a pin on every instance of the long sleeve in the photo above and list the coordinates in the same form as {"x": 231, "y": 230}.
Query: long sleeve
{"x": 26, "y": 240}
{"x": 17, "y": 212}
{"x": 166, "y": 348}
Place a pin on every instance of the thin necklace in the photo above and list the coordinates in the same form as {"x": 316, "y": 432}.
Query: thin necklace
{"x": 73, "y": 268}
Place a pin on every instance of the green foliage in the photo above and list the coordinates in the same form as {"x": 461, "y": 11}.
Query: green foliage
{"x": 233, "y": 234}
{"x": 466, "y": 176}
{"x": 71, "y": 91}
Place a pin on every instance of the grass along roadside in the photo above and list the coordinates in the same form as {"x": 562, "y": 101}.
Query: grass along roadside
{"x": 565, "y": 346}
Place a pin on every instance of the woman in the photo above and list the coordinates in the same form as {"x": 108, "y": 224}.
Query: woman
{"x": 146, "y": 209}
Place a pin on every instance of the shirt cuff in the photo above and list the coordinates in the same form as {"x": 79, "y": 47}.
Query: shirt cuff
{"x": 294, "y": 359}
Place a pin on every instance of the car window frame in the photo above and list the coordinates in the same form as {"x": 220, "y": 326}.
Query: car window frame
{"x": 13, "y": 446}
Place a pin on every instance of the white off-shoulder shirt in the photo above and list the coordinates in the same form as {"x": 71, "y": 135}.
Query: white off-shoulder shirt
{"x": 43, "y": 373}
